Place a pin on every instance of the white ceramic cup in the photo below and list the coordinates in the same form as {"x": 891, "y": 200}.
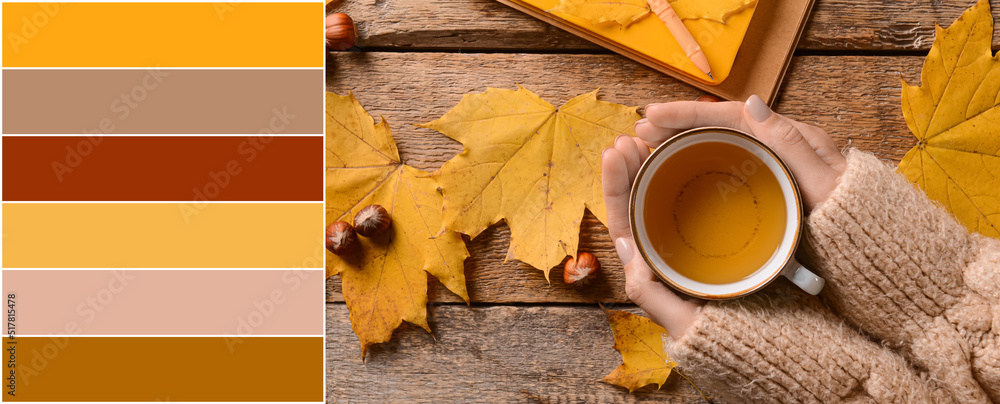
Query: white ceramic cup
{"x": 782, "y": 262}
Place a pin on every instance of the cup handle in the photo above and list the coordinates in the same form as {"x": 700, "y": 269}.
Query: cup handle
{"x": 803, "y": 278}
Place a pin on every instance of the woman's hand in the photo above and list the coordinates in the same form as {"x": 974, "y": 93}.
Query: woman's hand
{"x": 808, "y": 151}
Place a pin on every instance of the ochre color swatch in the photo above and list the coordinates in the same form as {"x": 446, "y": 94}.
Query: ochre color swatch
{"x": 162, "y": 235}
{"x": 168, "y": 302}
{"x": 163, "y": 101}
{"x": 167, "y": 369}
{"x": 230, "y": 168}
{"x": 220, "y": 34}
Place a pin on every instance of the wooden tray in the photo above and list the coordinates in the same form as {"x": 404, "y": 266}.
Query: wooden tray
{"x": 759, "y": 66}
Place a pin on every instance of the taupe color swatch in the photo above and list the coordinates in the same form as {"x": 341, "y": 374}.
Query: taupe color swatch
{"x": 163, "y": 101}
{"x": 168, "y": 302}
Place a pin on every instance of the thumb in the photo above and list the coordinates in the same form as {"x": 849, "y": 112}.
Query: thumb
{"x": 778, "y": 133}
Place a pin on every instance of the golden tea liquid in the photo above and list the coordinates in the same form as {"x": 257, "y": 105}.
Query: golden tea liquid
{"x": 714, "y": 212}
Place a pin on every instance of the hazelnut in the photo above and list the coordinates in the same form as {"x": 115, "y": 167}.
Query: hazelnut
{"x": 372, "y": 220}
{"x": 580, "y": 271}
{"x": 341, "y": 238}
{"x": 341, "y": 33}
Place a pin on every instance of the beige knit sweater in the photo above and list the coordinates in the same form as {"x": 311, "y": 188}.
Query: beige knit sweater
{"x": 910, "y": 312}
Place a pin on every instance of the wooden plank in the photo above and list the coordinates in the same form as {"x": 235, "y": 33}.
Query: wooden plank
{"x": 486, "y": 24}
{"x": 854, "y": 98}
{"x": 490, "y": 355}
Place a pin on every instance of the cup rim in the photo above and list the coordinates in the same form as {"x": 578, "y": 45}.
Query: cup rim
{"x": 645, "y": 255}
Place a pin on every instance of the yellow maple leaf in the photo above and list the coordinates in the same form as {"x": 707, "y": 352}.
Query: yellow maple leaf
{"x": 955, "y": 117}
{"x": 624, "y": 12}
{"x": 530, "y": 164}
{"x": 715, "y": 10}
{"x": 386, "y": 282}
{"x": 640, "y": 342}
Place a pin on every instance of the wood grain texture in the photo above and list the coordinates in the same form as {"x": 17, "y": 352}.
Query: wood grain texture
{"x": 486, "y": 24}
{"x": 855, "y": 98}
{"x": 489, "y": 355}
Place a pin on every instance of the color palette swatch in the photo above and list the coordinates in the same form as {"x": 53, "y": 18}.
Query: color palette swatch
{"x": 162, "y": 201}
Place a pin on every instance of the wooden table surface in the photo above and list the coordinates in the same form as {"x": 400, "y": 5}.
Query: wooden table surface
{"x": 522, "y": 339}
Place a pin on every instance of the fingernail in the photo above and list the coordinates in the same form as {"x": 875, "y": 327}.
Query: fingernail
{"x": 642, "y": 121}
{"x": 620, "y": 137}
{"x": 625, "y": 250}
{"x": 758, "y": 109}
{"x": 648, "y": 106}
{"x": 604, "y": 154}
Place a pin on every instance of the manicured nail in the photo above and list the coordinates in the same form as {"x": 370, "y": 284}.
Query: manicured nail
{"x": 642, "y": 121}
{"x": 758, "y": 109}
{"x": 625, "y": 250}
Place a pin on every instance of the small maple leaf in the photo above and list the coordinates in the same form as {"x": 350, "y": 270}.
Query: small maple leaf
{"x": 640, "y": 342}
{"x": 955, "y": 116}
{"x": 626, "y": 12}
{"x": 528, "y": 163}
{"x": 715, "y": 10}
{"x": 623, "y": 12}
{"x": 386, "y": 282}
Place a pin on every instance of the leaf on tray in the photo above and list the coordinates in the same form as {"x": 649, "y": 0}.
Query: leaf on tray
{"x": 640, "y": 342}
{"x": 955, "y": 116}
{"x": 624, "y": 12}
{"x": 528, "y": 163}
{"x": 715, "y": 10}
{"x": 386, "y": 281}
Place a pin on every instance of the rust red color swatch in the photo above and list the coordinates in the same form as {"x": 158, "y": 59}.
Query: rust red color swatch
{"x": 222, "y": 168}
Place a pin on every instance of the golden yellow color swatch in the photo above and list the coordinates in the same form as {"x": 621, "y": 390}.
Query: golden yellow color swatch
{"x": 223, "y": 34}
{"x": 162, "y": 235}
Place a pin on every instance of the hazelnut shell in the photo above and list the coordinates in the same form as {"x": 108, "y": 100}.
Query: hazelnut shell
{"x": 341, "y": 238}
{"x": 581, "y": 270}
{"x": 372, "y": 220}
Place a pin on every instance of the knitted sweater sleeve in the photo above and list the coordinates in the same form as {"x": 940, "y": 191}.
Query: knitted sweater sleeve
{"x": 899, "y": 268}
{"x": 784, "y": 346}
{"x": 902, "y": 269}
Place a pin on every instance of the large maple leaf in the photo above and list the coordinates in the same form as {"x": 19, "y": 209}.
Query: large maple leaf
{"x": 955, "y": 117}
{"x": 530, "y": 164}
{"x": 386, "y": 282}
{"x": 640, "y": 342}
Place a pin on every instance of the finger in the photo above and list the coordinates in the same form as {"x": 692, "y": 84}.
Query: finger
{"x": 615, "y": 182}
{"x": 791, "y": 145}
{"x": 674, "y": 117}
{"x": 643, "y": 150}
{"x": 626, "y": 146}
{"x": 823, "y": 144}
{"x": 660, "y": 303}
{"x": 653, "y": 135}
